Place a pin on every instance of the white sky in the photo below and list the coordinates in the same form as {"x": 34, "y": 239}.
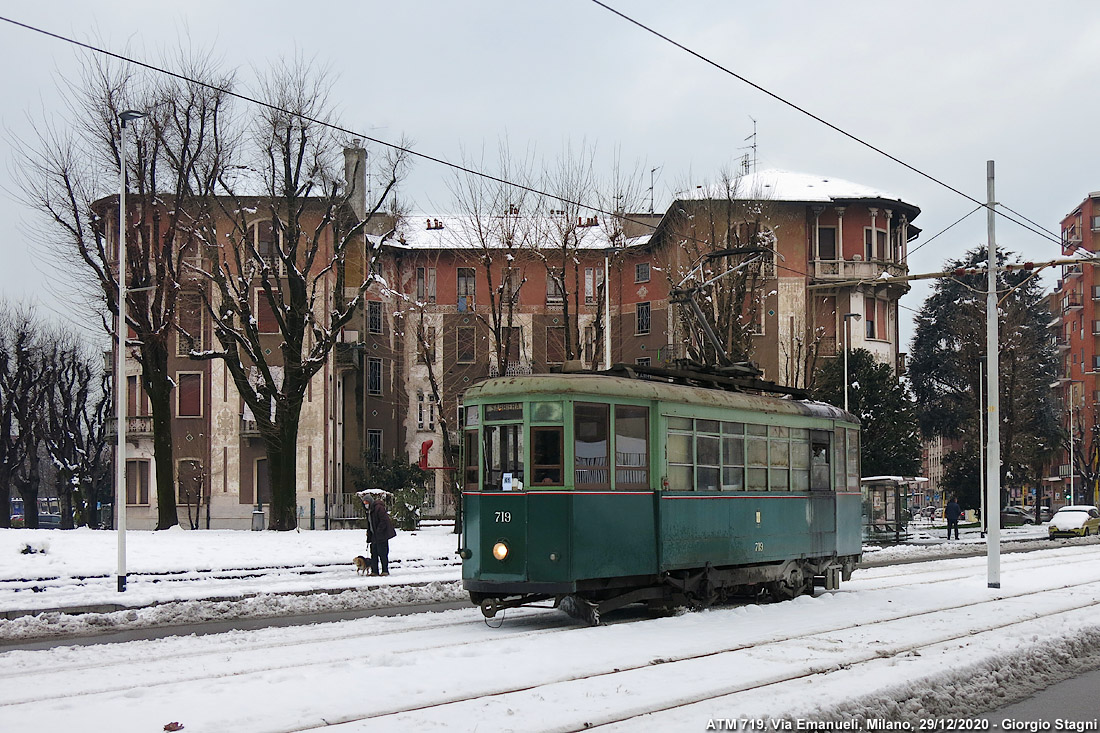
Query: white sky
{"x": 899, "y": 642}
{"x": 943, "y": 85}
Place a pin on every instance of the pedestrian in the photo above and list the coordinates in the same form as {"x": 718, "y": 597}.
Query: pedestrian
{"x": 952, "y": 514}
{"x": 379, "y": 533}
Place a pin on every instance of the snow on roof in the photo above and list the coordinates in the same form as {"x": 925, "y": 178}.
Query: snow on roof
{"x": 780, "y": 185}
{"x": 420, "y": 231}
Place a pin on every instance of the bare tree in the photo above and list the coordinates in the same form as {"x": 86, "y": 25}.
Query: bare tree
{"x": 70, "y": 177}
{"x": 288, "y": 269}
{"x": 22, "y": 394}
{"x": 495, "y": 227}
{"x": 75, "y": 419}
{"x": 721, "y": 253}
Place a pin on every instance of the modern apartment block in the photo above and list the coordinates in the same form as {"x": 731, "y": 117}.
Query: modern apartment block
{"x": 1075, "y": 326}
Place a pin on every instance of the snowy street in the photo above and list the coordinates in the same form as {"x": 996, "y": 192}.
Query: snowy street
{"x": 902, "y": 642}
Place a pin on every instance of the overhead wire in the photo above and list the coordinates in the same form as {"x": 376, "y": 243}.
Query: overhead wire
{"x": 1037, "y": 230}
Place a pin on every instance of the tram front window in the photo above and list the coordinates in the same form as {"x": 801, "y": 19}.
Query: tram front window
{"x": 503, "y": 457}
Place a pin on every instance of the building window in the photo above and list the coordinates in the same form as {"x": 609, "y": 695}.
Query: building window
{"x": 374, "y": 316}
{"x": 189, "y": 318}
{"x": 466, "y": 284}
{"x": 555, "y": 285}
{"x": 641, "y": 319}
{"x": 555, "y": 345}
{"x": 189, "y": 482}
{"x": 374, "y": 446}
{"x": 266, "y": 240}
{"x": 189, "y": 395}
{"x": 641, "y": 272}
{"x": 425, "y": 284}
{"x": 137, "y": 482}
{"x": 511, "y": 280}
{"x": 826, "y": 243}
{"x": 265, "y": 315}
{"x": 374, "y": 375}
{"x": 875, "y": 244}
{"x": 593, "y": 281}
{"x": 467, "y": 352}
{"x": 425, "y": 412}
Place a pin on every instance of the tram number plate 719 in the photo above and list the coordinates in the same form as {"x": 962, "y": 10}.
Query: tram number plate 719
{"x": 503, "y": 517}
{"x": 758, "y": 547}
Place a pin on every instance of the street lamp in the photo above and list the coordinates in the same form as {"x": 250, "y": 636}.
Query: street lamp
{"x": 847, "y": 330}
{"x": 1071, "y": 467}
{"x": 120, "y": 366}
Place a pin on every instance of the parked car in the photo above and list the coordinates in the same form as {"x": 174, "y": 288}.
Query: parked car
{"x": 1014, "y": 516}
{"x": 928, "y": 512}
{"x": 1079, "y": 520}
{"x": 1045, "y": 512}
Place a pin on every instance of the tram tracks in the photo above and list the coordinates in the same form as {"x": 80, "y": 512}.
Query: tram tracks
{"x": 553, "y": 694}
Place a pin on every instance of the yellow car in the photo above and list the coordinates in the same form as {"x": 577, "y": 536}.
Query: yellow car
{"x": 1075, "y": 521}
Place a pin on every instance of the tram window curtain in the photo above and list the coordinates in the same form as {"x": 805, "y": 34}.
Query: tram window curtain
{"x": 591, "y": 433}
{"x": 631, "y": 447}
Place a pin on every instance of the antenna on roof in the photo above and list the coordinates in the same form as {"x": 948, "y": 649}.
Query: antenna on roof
{"x": 651, "y": 172}
{"x": 748, "y": 164}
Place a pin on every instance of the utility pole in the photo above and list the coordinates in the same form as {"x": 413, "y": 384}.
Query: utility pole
{"x": 993, "y": 394}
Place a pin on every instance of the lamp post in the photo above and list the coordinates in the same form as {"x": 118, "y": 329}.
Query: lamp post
{"x": 120, "y": 365}
{"x": 1071, "y": 467}
{"x": 847, "y": 330}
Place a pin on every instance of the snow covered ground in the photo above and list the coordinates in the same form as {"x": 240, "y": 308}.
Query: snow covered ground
{"x": 911, "y": 642}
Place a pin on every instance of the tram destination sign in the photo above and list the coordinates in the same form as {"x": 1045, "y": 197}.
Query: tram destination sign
{"x": 504, "y": 411}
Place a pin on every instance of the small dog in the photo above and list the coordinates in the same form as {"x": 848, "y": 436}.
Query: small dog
{"x": 362, "y": 565}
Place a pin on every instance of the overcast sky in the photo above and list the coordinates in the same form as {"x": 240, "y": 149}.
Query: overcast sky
{"x": 944, "y": 86}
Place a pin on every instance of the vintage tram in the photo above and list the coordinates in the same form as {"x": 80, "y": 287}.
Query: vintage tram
{"x": 596, "y": 490}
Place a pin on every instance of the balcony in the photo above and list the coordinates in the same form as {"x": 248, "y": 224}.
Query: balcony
{"x": 1070, "y": 272}
{"x": 249, "y": 428}
{"x": 825, "y": 270}
{"x": 138, "y": 427}
{"x": 1072, "y": 302}
{"x": 1061, "y": 343}
{"x": 511, "y": 369}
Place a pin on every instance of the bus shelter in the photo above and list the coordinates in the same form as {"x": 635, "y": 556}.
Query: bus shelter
{"x": 886, "y": 506}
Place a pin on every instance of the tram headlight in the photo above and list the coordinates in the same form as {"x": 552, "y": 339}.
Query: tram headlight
{"x": 500, "y": 550}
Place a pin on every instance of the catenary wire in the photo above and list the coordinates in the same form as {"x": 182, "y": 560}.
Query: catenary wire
{"x": 1041, "y": 232}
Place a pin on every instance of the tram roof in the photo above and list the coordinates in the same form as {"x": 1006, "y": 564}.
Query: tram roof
{"x": 602, "y": 385}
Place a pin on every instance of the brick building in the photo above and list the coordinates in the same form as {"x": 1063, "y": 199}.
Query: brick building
{"x": 458, "y": 299}
{"x": 1075, "y": 327}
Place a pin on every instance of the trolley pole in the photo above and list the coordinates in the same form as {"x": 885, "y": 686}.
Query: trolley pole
{"x": 993, "y": 394}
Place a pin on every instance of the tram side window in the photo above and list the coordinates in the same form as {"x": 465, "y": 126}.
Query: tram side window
{"x": 839, "y": 471}
{"x": 470, "y": 469}
{"x": 631, "y": 447}
{"x": 546, "y": 456}
{"x": 800, "y": 459}
{"x": 819, "y": 460}
{"x": 708, "y": 455}
{"x": 679, "y": 452}
{"x": 779, "y": 458}
{"x": 756, "y": 457}
{"x": 503, "y": 455}
{"x": 591, "y": 433}
{"x": 733, "y": 456}
{"x": 853, "y": 460}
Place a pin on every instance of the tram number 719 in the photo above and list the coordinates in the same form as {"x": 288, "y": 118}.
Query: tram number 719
{"x": 503, "y": 517}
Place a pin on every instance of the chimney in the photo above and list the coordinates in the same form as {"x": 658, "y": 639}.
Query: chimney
{"x": 355, "y": 177}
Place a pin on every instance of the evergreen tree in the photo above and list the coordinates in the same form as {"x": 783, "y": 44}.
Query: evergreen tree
{"x": 890, "y": 438}
{"x": 947, "y": 366}
{"x": 399, "y": 477}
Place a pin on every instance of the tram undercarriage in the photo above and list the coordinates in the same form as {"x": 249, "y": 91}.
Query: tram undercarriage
{"x": 691, "y": 588}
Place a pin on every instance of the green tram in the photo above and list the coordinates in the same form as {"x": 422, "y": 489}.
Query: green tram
{"x": 596, "y": 491}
